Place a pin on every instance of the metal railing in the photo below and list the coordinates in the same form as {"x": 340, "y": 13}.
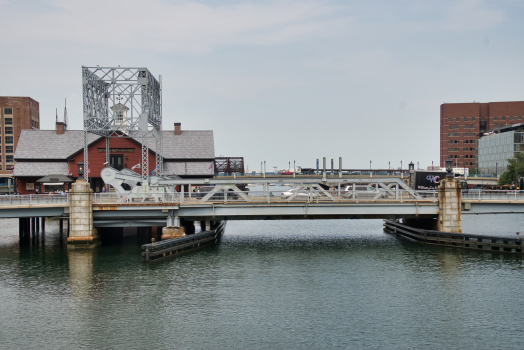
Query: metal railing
{"x": 270, "y": 196}
{"x": 32, "y": 199}
{"x": 507, "y": 195}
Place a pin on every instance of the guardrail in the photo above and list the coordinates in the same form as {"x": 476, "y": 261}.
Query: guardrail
{"x": 32, "y": 199}
{"x": 509, "y": 195}
{"x": 270, "y": 196}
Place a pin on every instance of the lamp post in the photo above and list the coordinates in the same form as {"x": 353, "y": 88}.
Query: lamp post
{"x": 496, "y": 169}
{"x": 449, "y": 167}
{"x": 80, "y": 169}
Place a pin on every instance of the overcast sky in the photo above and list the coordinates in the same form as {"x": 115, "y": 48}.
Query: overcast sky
{"x": 278, "y": 80}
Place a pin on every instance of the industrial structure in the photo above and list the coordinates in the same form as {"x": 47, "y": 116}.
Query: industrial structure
{"x": 124, "y": 101}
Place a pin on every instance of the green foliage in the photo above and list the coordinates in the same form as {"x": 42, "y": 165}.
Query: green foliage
{"x": 515, "y": 170}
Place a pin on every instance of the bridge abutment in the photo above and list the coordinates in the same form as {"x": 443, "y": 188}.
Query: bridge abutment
{"x": 449, "y": 198}
{"x": 81, "y": 234}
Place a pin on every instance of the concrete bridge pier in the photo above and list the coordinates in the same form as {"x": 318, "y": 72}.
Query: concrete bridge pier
{"x": 81, "y": 231}
{"x": 449, "y": 197}
{"x": 205, "y": 226}
{"x": 174, "y": 228}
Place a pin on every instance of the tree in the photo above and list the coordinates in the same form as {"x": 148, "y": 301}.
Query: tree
{"x": 515, "y": 170}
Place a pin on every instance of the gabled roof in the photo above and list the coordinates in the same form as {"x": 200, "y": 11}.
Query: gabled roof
{"x": 47, "y": 144}
{"x": 189, "y": 168}
{"x": 40, "y": 168}
{"x": 191, "y": 144}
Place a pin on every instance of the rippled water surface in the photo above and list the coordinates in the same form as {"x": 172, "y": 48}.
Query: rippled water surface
{"x": 269, "y": 285}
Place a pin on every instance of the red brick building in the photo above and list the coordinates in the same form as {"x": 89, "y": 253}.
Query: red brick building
{"x": 16, "y": 114}
{"x": 46, "y": 160}
{"x": 463, "y": 123}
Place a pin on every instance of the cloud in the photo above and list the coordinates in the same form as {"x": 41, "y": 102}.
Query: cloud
{"x": 188, "y": 27}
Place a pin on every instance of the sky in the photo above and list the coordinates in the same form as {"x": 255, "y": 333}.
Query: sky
{"x": 278, "y": 81}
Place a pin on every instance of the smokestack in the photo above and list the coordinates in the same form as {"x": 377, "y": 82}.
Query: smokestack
{"x": 178, "y": 128}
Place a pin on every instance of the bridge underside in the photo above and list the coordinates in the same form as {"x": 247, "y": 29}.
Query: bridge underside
{"x": 108, "y": 216}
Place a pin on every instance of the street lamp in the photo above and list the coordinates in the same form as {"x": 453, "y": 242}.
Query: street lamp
{"x": 496, "y": 169}
{"x": 449, "y": 167}
{"x": 370, "y": 166}
{"x": 80, "y": 168}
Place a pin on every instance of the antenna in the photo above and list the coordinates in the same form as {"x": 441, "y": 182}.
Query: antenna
{"x": 65, "y": 114}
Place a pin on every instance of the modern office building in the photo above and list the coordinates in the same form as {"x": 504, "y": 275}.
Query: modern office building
{"x": 16, "y": 114}
{"x": 461, "y": 124}
{"x": 494, "y": 150}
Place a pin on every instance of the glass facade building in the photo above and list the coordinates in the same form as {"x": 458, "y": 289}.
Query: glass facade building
{"x": 493, "y": 151}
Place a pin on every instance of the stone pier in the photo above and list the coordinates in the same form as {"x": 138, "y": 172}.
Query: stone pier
{"x": 81, "y": 234}
{"x": 449, "y": 197}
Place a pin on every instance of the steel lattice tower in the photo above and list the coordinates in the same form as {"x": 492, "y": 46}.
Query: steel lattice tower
{"x": 126, "y": 101}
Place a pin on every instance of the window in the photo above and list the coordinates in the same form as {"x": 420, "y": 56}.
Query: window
{"x": 458, "y": 119}
{"x": 449, "y": 119}
{"x": 9, "y": 149}
{"x": 8, "y": 159}
{"x": 8, "y": 111}
{"x": 450, "y": 149}
{"x": 451, "y": 126}
{"x": 465, "y": 119}
{"x": 8, "y": 121}
{"x": 0, "y": 148}
{"x": 0, "y": 167}
{"x": 496, "y": 118}
{"x": 520, "y": 117}
{"x": 503, "y": 118}
{"x": 510, "y": 118}
{"x": 9, "y": 140}
{"x": 482, "y": 119}
{"x": 9, "y": 130}
{"x": 473, "y": 119}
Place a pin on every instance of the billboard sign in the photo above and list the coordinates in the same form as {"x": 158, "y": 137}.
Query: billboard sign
{"x": 428, "y": 180}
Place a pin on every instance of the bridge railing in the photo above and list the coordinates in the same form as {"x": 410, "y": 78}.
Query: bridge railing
{"x": 270, "y": 196}
{"x": 509, "y": 195}
{"x": 32, "y": 199}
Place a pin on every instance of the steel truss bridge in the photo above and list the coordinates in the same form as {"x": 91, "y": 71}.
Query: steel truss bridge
{"x": 316, "y": 198}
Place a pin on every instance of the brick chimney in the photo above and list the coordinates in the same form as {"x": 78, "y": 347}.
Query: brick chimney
{"x": 60, "y": 127}
{"x": 178, "y": 129}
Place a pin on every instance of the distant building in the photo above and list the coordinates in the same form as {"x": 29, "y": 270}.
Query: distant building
{"x": 16, "y": 114}
{"x": 461, "y": 124}
{"x": 494, "y": 150}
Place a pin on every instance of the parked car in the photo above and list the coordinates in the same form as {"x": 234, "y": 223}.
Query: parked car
{"x": 363, "y": 191}
{"x": 301, "y": 195}
{"x": 218, "y": 196}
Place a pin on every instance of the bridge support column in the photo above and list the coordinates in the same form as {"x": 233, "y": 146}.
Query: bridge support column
{"x": 81, "y": 234}
{"x": 449, "y": 197}
{"x": 174, "y": 229}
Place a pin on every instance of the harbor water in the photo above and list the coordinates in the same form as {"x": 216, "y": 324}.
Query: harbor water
{"x": 326, "y": 284}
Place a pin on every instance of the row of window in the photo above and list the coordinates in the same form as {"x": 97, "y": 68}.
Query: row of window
{"x": 465, "y": 119}
{"x": 457, "y": 149}
{"x": 482, "y": 119}
{"x": 465, "y": 134}
{"x": 456, "y": 156}
{"x": 9, "y": 158}
{"x": 8, "y": 149}
{"x": 467, "y": 126}
{"x": 510, "y": 118}
{"x": 8, "y": 140}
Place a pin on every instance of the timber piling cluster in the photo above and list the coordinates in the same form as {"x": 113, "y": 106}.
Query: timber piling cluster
{"x": 458, "y": 240}
{"x": 182, "y": 245}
